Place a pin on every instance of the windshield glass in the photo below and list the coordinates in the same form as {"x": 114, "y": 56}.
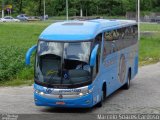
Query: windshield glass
{"x": 63, "y": 62}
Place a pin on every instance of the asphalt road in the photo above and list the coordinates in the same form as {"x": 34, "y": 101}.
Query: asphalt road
{"x": 143, "y": 97}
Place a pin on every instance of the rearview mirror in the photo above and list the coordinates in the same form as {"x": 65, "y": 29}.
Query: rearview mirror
{"x": 93, "y": 56}
{"x": 29, "y": 53}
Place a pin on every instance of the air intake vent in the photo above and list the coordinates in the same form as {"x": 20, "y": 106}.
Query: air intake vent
{"x": 73, "y": 23}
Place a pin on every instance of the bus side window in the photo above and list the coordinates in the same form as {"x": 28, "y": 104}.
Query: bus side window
{"x": 119, "y": 42}
{"x": 135, "y": 33}
{"x": 115, "y": 35}
{"x": 120, "y": 38}
{"x": 130, "y": 36}
{"x": 126, "y": 38}
{"x": 108, "y": 36}
{"x": 131, "y": 39}
{"x": 123, "y": 39}
{"x": 108, "y": 40}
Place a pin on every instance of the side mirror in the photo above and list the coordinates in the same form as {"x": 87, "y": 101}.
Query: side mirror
{"x": 93, "y": 56}
{"x": 29, "y": 53}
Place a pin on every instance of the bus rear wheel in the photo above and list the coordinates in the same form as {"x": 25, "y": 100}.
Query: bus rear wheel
{"x": 126, "y": 86}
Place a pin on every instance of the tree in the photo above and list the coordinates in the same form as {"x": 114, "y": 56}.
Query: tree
{"x": 90, "y": 7}
{"x": 40, "y": 7}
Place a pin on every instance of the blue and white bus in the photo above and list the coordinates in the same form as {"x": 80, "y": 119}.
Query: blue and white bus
{"x": 79, "y": 63}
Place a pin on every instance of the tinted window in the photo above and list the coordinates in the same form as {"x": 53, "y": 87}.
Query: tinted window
{"x": 119, "y": 39}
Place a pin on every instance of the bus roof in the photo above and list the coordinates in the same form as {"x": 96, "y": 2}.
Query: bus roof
{"x": 78, "y": 30}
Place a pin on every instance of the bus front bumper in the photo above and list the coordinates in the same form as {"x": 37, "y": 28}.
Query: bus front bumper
{"x": 85, "y": 101}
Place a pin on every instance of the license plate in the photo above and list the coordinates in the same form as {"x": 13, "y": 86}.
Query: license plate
{"x": 60, "y": 103}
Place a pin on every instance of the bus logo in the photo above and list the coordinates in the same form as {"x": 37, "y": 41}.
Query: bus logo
{"x": 48, "y": 90}
{"x": 60, "y": 96}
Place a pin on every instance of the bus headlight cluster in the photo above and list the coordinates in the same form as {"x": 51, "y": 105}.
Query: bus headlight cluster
{"x": 86, "y": 92}
{"x": 39, "y": 92}
{"x": 83, "y": 93}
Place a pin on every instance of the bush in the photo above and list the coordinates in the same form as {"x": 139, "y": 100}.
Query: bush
{"x": 15, "y": 40}
{"x": 11, "y": 62}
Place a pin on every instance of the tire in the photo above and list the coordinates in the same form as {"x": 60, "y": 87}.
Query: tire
{"x": 103, "y": 96}
{"x": 100, "y": 104}
{"x": 126, "y": 86}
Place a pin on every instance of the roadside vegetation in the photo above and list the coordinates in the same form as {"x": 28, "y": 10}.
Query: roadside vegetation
{"x": 16, "y": 38}
{"x": 149, "y": 47}
{"x": 89, "y": 7}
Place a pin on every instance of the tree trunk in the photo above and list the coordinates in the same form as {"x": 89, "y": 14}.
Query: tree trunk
{"x": 20, "y": 6}
{"x": 40, "y": 7}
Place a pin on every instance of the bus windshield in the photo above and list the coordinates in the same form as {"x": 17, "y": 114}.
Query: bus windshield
{"x": 63, "y": 62}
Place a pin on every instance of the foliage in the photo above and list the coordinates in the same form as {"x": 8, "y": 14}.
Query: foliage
{"x": 89, "y": 7}
{"x": 15, "y": 40}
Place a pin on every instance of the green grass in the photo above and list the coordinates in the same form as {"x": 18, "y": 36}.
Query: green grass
{"x": 150, "y": 27}
{"x": 149, "y": 51}
{"x": 149, "y": 46}
{"x": 16, "y": 38}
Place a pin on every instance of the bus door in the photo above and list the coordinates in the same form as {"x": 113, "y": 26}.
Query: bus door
{"x": 110, "y": 61}
{"x": 96, "y": 69}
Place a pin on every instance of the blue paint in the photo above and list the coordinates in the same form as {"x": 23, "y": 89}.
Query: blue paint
{"x": 29, "y": 53}
{"x": 136, "y": 66}
{"x": 87, "y": 31}
{"x": 93, "y": 56}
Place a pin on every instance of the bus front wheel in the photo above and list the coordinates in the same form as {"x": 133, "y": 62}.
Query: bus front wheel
{"x": 100, "y": 103}
{"x": 103, "y": 96}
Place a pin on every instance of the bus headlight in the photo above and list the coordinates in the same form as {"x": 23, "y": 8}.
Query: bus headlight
{"x": 86, "y": 92}
{"x": 81, "y": 94}
{"x": 39, "y": 92}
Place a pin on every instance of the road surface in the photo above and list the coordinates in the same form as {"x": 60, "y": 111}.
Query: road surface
{"x": 142, "y": 97}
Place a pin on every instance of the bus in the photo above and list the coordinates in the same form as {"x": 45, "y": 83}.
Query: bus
{"x": 78, "y": 63}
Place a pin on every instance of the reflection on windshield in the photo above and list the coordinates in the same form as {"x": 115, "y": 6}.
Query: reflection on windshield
{"x": 76, "y": 51}
{"x": 63, "y": 63}
{"x": 50, "y": 48}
